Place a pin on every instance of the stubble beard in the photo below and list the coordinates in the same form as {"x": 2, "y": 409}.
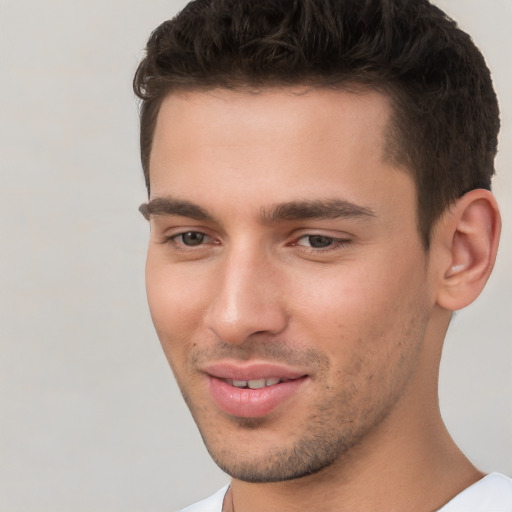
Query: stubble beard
{"x": 317, "y": 445}
{"x": 338, "y": 422}
{"x": 306, "y": 456}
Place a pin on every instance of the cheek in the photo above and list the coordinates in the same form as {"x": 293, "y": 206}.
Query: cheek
{"x": 360, "y": 309}
{"x": 176, "y": 302}
{"x": 371, "y": 327}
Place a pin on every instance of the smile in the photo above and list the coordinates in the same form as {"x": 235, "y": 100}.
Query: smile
{"x": 256, "y": 383}
{"x": 253, "y": 398}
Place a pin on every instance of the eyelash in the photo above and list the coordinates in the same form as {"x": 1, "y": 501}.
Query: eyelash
{"x": 334, "y": 243}
{"x": 173, "y": 239}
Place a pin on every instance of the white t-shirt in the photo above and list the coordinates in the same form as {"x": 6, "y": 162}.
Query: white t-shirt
{"x": 211, "y": 504}
{"x": 493, "y": 493}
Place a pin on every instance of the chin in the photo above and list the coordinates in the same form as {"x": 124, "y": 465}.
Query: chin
{"x": 265, "y": 463}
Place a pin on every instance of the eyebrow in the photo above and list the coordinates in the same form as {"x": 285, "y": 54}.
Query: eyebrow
{"x": 292, "y": 210}
{"x": 172, "y": 206}
{"x": 315, "y": 209}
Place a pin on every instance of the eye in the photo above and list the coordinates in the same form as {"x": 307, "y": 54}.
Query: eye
{"x": 317, "y": 241}
{"x": 189, "y": 245}
{"x": 191, "y": 238}
{"x": 321, "y": 244}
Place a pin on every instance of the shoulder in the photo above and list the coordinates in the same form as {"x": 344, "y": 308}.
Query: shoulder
{"x": 211, "y": 504}
{"x": 493, "y": 493}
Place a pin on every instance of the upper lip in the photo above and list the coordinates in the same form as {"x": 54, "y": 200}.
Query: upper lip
{"x": 249, "y": 370}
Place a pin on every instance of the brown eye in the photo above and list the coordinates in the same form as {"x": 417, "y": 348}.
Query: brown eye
{"x": 319, "y": 241}
{"x": 322, "y": 243}
{"x": 192, "y": 238}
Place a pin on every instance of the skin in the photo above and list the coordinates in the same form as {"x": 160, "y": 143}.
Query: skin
{"x": 362, "y": 315}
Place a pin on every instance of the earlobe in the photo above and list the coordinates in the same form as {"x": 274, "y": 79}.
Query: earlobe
{"x": 470, "y": 233}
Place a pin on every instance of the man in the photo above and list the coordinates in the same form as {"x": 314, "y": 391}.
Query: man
{"x": 319, "y": 200}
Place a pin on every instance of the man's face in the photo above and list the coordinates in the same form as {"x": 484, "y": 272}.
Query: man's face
{"x": 285, "y": 275}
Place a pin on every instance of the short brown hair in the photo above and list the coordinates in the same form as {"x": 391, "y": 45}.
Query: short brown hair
{"x": 446, "y": 116}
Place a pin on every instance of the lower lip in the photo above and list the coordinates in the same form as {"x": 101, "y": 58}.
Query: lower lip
{"x": 252, "y": 403}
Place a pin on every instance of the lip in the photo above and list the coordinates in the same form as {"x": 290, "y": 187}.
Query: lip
{"x": 250, "y": 370}
{"x": 251, "y": 403}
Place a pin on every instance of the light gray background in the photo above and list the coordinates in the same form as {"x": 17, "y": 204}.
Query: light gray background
{"x": 90, "y": 418}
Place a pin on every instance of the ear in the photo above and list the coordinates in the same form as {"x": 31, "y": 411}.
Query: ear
{"x": 468, "y": 235}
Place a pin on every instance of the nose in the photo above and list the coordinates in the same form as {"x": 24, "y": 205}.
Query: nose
{"x": 248, "y": 298}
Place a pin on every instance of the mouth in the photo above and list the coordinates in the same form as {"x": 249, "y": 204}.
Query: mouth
{"x": 252, "y": 390}
{"x": 255, "y": 383}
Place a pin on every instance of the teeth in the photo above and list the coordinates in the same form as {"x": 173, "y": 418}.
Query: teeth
{"x": 255, "y": 384}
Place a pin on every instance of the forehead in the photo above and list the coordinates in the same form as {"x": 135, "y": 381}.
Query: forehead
{"x": 272, "y": 145}
{"x": 286, "y": 115}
